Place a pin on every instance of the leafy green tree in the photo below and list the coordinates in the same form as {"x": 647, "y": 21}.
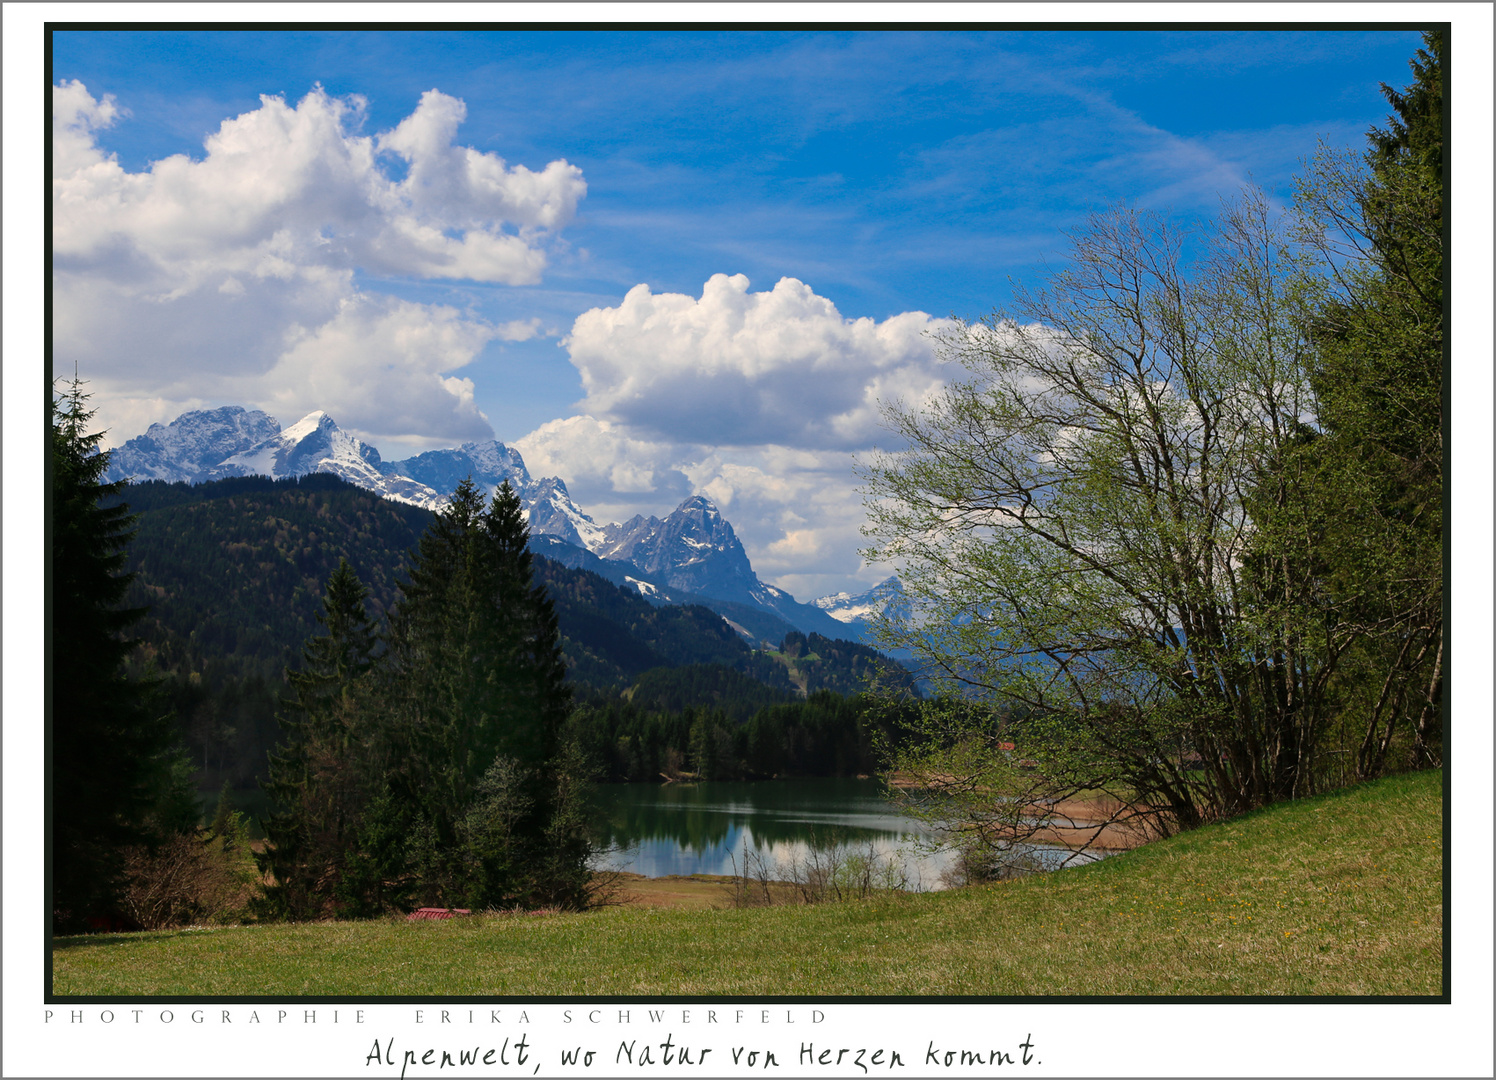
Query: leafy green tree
{"x": 117, "y": 777}
{"x": 1184, "y": 529}
{"x": 1072, "y": 519}
{"x": 319, "y": 775}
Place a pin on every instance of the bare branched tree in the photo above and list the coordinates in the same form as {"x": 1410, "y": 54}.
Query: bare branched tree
{"x": 1075, "y": 520}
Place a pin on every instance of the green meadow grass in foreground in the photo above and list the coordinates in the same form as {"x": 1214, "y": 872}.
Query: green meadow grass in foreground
{"x": 1340, "y": 894}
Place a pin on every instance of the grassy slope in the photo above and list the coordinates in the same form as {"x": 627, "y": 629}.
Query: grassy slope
{"x": 1336, "y": 895}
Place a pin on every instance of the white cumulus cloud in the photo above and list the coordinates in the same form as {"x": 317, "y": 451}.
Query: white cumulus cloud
{"x": 235, "y": 275}
{"x": 382, "y": 360}
{"x": 605, "y": 468}
{"x": 759, "y": 400}
{"x": 460, "y": 184}
{"x": 739, "y": 368}
{"x": 299, "y": 178}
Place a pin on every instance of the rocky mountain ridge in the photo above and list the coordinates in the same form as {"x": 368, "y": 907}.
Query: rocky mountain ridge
{"x": 315, "y": 444}
{"x": 188, "y": 448}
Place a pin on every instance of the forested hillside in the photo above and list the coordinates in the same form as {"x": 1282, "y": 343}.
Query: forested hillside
{"x": 611, "y": 635}
{"x": 233, "y": 573}
{"x": 845, "y": 667}
{"x": 824, "y": 735}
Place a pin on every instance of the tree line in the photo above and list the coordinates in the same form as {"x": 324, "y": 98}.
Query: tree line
{"x": 425, "y": 765}
{"x": 824, "y": 735}
{"x": 420, "y": 763}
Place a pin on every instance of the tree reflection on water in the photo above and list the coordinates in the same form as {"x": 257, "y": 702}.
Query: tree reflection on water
{"x": 706, "y": 828}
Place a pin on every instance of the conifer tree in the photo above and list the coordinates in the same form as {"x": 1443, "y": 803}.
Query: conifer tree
{"x": 318, "y": 775}
{"x": 476, "y": 680}
{"x": 528, "y": 679}
{"x": 116, "y": 774}
{"x": 1376, "y": 464}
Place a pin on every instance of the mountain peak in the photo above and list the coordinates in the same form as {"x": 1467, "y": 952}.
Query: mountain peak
{"x": 488, "y": 463}
{"x": 188, "y": 448}
{"x": 552, "y": 513}
{"x": 886, "y": 597}
{"x": 310, "y": 425}
{"x": 694, "y": 549}
{"x": 698, "y": 502}
{"x": 315, "y": 443}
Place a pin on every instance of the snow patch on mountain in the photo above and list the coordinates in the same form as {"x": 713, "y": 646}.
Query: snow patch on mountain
{"x": 644, "y": 587}
{"x": 887, "y": 595}
{"x": 548, "y": 505}
{"x": 552, "y": 512}
{"x": 860, "y": 614}
{"x": 489, "y": 464}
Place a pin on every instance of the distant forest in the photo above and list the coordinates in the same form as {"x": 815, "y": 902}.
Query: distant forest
{"x": 232, "y": 575}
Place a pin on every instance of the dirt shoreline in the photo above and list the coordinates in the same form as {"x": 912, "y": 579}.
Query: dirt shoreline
{"x": 702, "y": 891}
{"x": 1099, "y": 823}
{"x": 1103, "y": 824}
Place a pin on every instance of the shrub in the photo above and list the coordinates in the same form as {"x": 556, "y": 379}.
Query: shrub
{"x": 208, "y": 876}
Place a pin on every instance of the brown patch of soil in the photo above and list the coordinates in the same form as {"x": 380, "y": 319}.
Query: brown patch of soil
{"x": 674, "y": 891}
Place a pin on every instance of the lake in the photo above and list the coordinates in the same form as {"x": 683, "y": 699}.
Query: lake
{"x": 704, "y": 828}
{"x": 664, "y": 829}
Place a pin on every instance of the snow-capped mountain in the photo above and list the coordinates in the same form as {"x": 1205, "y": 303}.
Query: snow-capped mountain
{"x": 694, "y": 550}
{"x": 191, "y": 445}
{"x": 232, "y": 441}
{"x": 547, "y": 502}
{"x": 691, "y": 556}
{"x": 863, "y": 607}
{"x": 488, "y": 463}
{"x": 315, "y": 443}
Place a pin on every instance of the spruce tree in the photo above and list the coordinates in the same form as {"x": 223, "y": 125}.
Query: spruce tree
{"x": 434, "y": 675}
{"x": 476, "y": 681}
{"x": 116, "y": 774}
{"x": 318, "y": 779}
{"x": 527, "y": 680}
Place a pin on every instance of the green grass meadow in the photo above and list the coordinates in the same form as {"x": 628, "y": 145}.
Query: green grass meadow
{"x": 1336, "y": 895}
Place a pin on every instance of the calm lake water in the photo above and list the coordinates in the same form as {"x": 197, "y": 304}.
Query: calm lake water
{"x": 662, "y": 829}
{"x": 704, "y": 828}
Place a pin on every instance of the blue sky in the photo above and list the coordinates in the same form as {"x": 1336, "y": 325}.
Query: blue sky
{"x": 580, "y": 244}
